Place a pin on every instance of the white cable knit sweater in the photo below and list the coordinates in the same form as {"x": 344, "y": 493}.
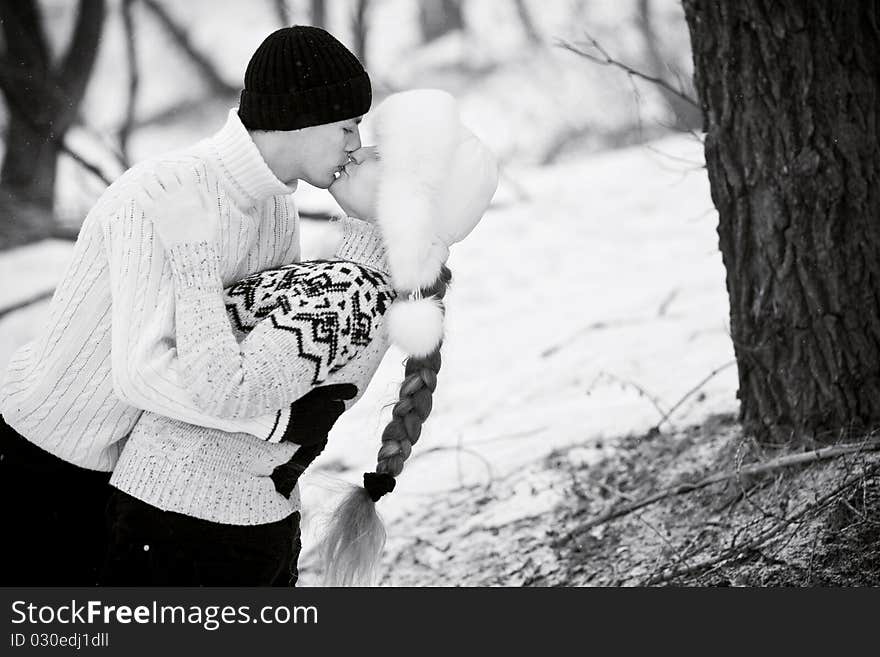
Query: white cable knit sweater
{"x": 305, "y": 325}
{"x": 106, "y": 351}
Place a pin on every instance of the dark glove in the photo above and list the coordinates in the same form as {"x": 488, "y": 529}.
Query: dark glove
{"x": 311, "y": 418}
{"x": 314, "y": 414}
{"x": 287, "y": 474}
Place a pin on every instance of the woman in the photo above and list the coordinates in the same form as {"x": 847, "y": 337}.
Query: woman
{"x": 197, "y": 506}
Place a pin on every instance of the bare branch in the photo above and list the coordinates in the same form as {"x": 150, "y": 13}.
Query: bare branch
{"x": 655, "y": 401}
{"x": 686, "y": 114}
{"x": 84, "y": 163}
{"x": 125, "y": 130}
{"x": 180, "y": 36}
{"x": 42, "y": 296}
{"x": 606, "y": 60}
{"x": 525, "y": 18}
{"x": 690, "y": 392}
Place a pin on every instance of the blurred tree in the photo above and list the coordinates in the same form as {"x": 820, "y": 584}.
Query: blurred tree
{"x": 127, "y": 125}
{"x": 360, "y": 29}
{"x": 43, "y": 97}
{"x": 790, "y": 92}
{"x": 282, "y": 11}
{"x": 438, "y": 17}
{"x": 687, "y": 115}
{"x": 525, "y": 18}
{"x": 179, "y": 35}
{"x": 319, "y": 13}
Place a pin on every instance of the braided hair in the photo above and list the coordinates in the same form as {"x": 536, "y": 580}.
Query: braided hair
{"x": 355, "y": 536}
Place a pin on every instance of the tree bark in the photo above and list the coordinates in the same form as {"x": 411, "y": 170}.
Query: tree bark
{"x": 790, "y": 92}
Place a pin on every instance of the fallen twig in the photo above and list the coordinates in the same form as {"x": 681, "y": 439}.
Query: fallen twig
{"x": 664, "y": 305}
{"x": 459, "y": 449}
{"x": 655, "y": 401}
{"x": 692, "y": 391}
{"x": 762, "y": 538}
{"x": 783, "y": 461}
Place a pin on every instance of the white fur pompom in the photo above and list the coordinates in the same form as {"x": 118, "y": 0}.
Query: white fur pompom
{"x": 416, "y": 325}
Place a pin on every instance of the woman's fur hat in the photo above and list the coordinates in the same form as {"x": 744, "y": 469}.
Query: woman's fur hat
{"x": 437, "y": 181}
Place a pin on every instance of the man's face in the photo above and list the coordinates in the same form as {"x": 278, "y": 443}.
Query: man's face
{"x": 321, "y": 151}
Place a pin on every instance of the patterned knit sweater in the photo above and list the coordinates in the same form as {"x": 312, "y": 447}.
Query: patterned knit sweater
{"x": 268, "y": 340}
{"x": 106, "y": 351}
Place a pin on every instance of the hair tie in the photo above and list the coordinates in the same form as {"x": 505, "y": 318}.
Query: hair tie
{"x": 378, "y": 484}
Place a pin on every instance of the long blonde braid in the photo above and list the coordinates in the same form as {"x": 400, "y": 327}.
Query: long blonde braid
{"x": 355, "y": 535}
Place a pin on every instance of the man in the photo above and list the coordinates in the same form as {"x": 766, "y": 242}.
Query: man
{"x": 106, "y": 352}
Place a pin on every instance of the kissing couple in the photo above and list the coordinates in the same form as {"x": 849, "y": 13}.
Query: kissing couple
{"x": 191, "y": 366}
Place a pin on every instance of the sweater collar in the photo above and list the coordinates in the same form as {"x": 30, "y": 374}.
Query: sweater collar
{"x": 242, "y": 162}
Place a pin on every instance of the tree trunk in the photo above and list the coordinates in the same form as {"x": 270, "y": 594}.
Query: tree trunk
{"x": 127, "y": 126}
{"x": 790, "y": 92}
{"x": 43, "y": 100}
{"x": 319, "y": 13}
{"x": 28, "y": 172}
{"x": 437, "y": 17}
{"x": 360, "y": 29}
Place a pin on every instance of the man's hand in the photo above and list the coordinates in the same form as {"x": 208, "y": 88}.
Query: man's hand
{"x": 314, "y": 414}
{"x": 178, "y": 205}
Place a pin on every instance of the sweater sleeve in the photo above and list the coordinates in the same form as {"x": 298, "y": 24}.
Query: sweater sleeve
{"x": 304, "y": 321}
{"x": 144, "y": 362}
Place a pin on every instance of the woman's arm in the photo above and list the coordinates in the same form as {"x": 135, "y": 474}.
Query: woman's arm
{"x": 319, "y": 316}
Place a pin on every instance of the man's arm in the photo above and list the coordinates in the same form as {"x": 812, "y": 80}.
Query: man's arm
{"x": 144, "y": 359}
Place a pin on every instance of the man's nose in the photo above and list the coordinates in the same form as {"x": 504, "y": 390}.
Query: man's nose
{"x": 354, "y": 141}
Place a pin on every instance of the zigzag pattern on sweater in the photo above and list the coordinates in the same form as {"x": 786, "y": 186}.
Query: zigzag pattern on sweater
{"x": 331, "y": 307}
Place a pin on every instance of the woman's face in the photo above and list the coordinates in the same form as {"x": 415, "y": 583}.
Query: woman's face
{"x": 357, "y": 186}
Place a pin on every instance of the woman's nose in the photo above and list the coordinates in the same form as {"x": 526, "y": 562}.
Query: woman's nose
{"x": 363, "y": 153}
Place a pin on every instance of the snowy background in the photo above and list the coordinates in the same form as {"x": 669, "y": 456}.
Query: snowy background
{"x": 589, "y": 300}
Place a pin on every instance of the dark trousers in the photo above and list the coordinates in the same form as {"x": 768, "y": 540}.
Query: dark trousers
{"x": 53, "y": 517}
{"x": 152, "y": 547}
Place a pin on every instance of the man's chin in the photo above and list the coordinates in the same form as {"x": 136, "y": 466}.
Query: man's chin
{"x": 323, "y": 183}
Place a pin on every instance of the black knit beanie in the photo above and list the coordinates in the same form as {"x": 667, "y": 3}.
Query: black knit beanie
{"x": 302, "y": 76}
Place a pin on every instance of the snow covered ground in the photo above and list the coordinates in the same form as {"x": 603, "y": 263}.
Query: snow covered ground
{"x": 588, "y": 287}
{"x": 594, "y": 284}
